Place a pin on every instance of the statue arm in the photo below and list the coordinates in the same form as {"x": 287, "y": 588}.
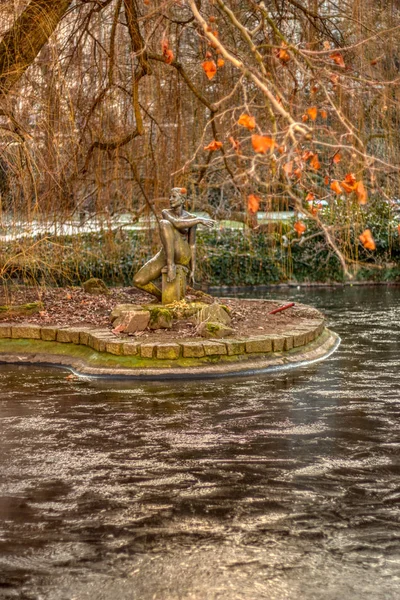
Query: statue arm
{"x": 185, "y": 222}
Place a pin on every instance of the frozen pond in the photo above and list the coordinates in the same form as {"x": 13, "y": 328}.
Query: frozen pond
{"x": 246, "y": 489}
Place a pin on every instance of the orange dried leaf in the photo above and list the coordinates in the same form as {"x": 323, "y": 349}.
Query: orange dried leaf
{"x": 283, "y": 55}
{"x": 247, "y": 121}
{"x": 367, "y": 240}
{"x": 164, "y": 45}
{"x": 300, "y": 228}
{"x": 306, "y": 155}
{"x": 314, "y": 162}
{"x": 349, "y": 183}
{"x": 304, "y": 118}
{"x": 350, "y": 178}
{"x": 169, "y": 57}
{"x": 361, "y": 193}
{"x": 335, "y": 186}
{"x": 209, "y": 68}
{"x": 337, "y": 158}
{"x": 220, "y": 62}
{"x": 398, "y": 228}
{"x": 213, "y": 146}
{"x": 326, "y": 180}
{"x": 310, "y": 197}
{"x": 288, "y": 168}
{"x": 312, "y": 112}
{"x": 337, "y": 59}
{"x": 253, "y": 203}
{"x": 323, "y": 113}
{"x": 167, "y": 53}
{"x": 262, "y": 143}
{"x": 235, "y": 144}
{"x": 297, "y": 173}
{"x": 347, "y": 188}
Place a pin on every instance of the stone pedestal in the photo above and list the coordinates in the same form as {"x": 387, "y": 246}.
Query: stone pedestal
{"x": 173, "y": 291}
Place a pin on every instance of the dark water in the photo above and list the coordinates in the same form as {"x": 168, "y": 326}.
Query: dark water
{"x": 284, "y": 488}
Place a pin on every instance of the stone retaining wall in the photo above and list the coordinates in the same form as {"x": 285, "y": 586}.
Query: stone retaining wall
{"x": 102, "y": 340}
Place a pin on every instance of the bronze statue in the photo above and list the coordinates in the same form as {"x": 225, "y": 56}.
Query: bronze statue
{"x": 178, "y": 238}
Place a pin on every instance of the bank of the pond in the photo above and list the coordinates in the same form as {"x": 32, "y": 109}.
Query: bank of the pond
{"x": 228, "y": 257}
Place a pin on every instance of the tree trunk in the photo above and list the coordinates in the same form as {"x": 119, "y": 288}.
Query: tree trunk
{"x": 24, "y": 40}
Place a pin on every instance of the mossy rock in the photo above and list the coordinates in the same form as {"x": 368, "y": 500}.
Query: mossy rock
{"x": 160, "y": 318}
{"x": 95, "y": 286}
{"x": 180, "y": 309}
{"x": 30, "y": 308}
{"x": 214, "y": 313}
{"x": 208, "y": 330}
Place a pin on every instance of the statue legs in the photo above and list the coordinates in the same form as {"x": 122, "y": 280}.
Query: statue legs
{"x": 168, "y": 235}
{"x": 144, "y": 278}
{"x": 175, "y": 251}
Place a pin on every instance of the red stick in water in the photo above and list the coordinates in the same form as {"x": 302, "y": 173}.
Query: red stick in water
{"x": 281, "y": 308}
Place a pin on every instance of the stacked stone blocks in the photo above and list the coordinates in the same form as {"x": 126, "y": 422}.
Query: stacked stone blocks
{"x": 103, "y": 340}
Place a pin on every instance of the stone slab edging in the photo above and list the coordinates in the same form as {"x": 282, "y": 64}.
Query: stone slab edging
{"x": 313, "y": 352}
{"x": 104, "y": 341}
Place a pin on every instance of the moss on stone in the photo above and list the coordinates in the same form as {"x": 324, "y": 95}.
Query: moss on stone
{"x": 59, "y": 353}
{"x": 160, "y": 318}
{"x": 95, "y": 286}
{"x": 21, "y": 309}
{"x": 227, "y": 308}
{"x": 213, "y": 328}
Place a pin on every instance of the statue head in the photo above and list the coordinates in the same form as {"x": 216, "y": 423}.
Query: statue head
{"x": 178, "y": 197}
